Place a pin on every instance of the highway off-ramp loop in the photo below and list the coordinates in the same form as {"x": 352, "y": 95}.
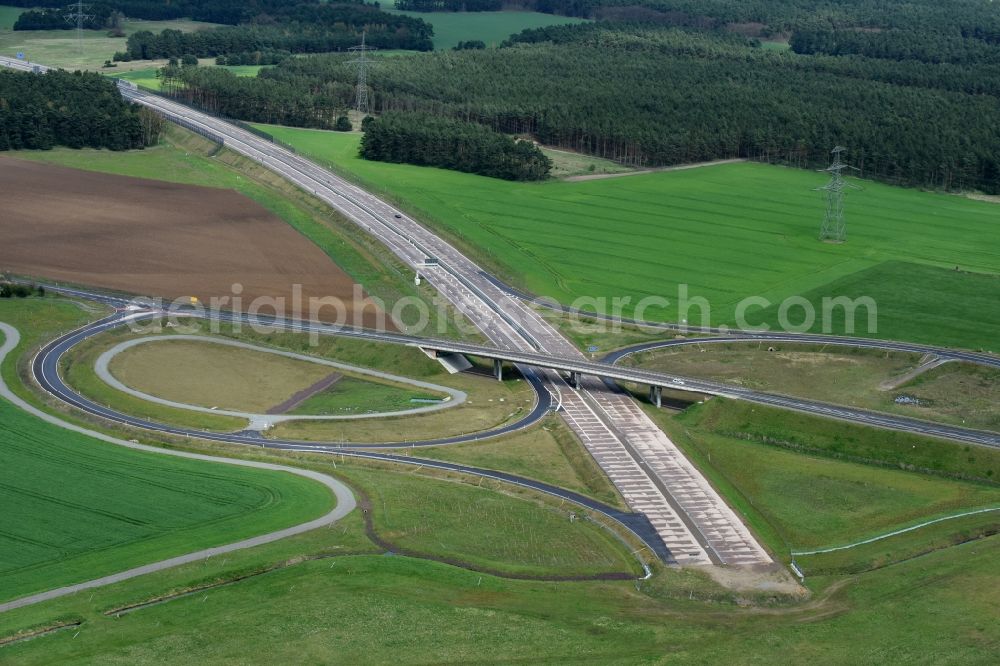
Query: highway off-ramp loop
{"x": 345, "y": 498}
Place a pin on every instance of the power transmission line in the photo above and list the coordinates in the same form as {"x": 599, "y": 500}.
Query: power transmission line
{"x": 834, "y": 228}
{"x": 75, "y": 15}
{"x": 363, "y": 102}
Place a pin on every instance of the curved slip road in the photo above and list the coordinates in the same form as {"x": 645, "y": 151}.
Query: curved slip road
{"x": 345, "y": 498}
{"x": 45, "y": 364}
{"x": 263, "y": 421}
{"x": 45, "y": 369}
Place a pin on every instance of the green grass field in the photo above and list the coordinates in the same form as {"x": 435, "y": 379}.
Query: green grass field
{"x": 839, "y": 440}
{"x": 147, "y": 76}
{"x": 817, "y": 502}
{"x": 804, "y": 483}
{"x": 549, "y": 453}
{"x": 450, "y": 28}
{"x": 60, "y": 48}
{"x": 351, "y": 395}
{"x": 77, "y": 508}
{"x": 566, "y": 163}
{"x": 523, "y": 537}
{"x": 211, "y": 375}
{"x": 8, "y": 16}
{"x": 728, "y": 232}
{"x": 937, "y": 609}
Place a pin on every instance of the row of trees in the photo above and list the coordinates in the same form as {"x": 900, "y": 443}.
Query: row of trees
{"x": 427, "y": 140}
{"x": 969, "y": 18}
{"x": 98, "y": 17}
{"x": 450, "y": 5}
{"x": 650, "y": 96}
{"x": 17, "y": 290}
{"x": 231, "y": 12}
{"x": 672, "y": 96}
{"x": 932, "y": 48}
{"x": 70, "y": 109}
{"x": 256, "y": 99}
{"x": 297, "y": 29}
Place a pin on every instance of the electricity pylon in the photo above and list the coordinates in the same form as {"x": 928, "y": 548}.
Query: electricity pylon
{"x": 363, "y": 103}
{"x": 834, "y": 228}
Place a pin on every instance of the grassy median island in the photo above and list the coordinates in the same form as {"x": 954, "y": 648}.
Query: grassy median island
{"x": 957, "y": 393}
{"x": 211, "y": 375}
{"x": 517, "y": 535}
{"x": 490, "y": 403}
{"x": 728, "y": 232}
{"x": 199, "y": 372}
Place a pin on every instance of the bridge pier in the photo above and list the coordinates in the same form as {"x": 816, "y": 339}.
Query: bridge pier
{"x": 574, "y": 380}
{"x": 656, "y": 395}
{"x": 498, "y": 369}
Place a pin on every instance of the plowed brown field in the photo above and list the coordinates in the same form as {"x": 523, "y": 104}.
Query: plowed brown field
{"x": 160, "y": 239}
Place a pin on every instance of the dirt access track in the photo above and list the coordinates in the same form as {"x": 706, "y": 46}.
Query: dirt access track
{"x": 160, "y": 239}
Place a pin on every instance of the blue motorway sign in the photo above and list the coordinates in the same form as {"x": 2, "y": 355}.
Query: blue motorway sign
{"x": 592, "y": 348}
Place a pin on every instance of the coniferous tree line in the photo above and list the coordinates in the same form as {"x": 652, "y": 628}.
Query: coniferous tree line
{"x": 450, "y": 5}
{"x": 970, "y": 17}
{"x": 426, "y": 140}
{"x": 665, "y": 97}
{"x": 99, "y": 16}
{"x": 899, "y": 45}
{"x": 296, "y": 29}
{"x": 231, "y": 12}
{"x": 78, "y": 110}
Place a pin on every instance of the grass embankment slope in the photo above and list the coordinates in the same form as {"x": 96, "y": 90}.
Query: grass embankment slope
{"x": 728, "y": 232}
{"x": 934, "y": 610}
{"x": 805, "y": 483}
{"x": 450, "y": 28}
{"x": 60, "y": 48}
{"x": 77, "y": 508}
